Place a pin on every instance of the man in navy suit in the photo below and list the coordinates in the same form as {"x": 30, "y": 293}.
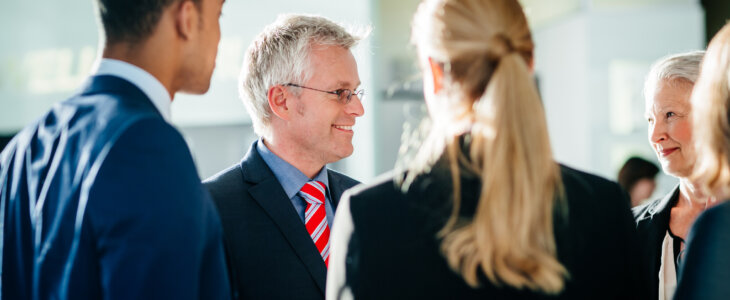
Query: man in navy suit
{"x": 99, "y": 198}
{"x": 300, "y": 87}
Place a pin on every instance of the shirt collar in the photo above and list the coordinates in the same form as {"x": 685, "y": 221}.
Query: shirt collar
{"x": 290, "y": 178}
{"x": 150, "y": 86}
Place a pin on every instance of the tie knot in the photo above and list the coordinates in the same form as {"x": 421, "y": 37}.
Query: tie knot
{"x": 313, "y": 192}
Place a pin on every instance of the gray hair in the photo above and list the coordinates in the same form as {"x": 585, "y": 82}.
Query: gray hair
{"x": 683, "y": 66}
{"x": 280, "y": 55}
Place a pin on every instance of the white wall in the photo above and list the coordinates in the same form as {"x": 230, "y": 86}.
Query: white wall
{"x": 591, "y": 67}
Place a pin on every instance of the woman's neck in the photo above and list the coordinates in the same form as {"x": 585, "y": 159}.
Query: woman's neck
{"x": 691, "y": 197}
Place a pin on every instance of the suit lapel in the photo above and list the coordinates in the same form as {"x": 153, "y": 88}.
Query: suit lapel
{"x": 336, "y": 188}
{"x": 268, "y": 193}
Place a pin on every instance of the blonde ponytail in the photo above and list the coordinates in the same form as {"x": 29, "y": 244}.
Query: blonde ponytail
{"x": 510, "y": 237}
{"x": 485, "y": 47}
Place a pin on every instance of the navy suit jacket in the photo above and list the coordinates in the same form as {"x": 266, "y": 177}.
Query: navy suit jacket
{"x": 100, "y": 199}
{"x": 270, "y": 253}
{"x": 704, "y": 272}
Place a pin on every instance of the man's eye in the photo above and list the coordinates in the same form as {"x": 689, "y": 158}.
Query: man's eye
{"x": 670, "y": 114}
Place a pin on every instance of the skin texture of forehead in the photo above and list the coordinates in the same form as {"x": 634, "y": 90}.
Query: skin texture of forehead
{"x": 672, "y": 93}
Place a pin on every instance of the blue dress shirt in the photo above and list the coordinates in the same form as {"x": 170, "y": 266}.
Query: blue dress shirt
{"x": 292, "y": 180}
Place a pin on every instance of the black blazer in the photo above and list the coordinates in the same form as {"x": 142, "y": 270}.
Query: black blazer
{"x": 705, "y": 269}
{"x": 386, "y": 247}
{"x": 652, "y": 222}
{"x": 269, "y": 251}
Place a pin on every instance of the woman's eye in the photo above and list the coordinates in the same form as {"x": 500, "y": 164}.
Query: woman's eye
{"x": 670, "y": 114}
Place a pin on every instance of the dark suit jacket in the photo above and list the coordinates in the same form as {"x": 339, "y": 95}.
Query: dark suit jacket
{"x": 270, "y": 253}
{"x": 652, "y": 222}
{"x": 705, "y": 269}
{"x": 393, "y": 251}
{"x": 100, "y": 199}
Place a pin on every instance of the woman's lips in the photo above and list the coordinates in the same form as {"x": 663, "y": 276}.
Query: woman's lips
{"x": 667, "y": 152}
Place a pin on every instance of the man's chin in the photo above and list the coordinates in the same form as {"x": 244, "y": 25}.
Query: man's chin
{"x": 198, "y": 88}
{"x": 342, "y": 155}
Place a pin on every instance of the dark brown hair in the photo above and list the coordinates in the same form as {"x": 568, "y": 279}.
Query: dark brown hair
{"x": 132, "y": 21}
{"x": 635, "y": 169}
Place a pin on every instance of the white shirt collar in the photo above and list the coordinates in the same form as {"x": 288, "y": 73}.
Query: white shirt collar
{"x": 149, "y": 85}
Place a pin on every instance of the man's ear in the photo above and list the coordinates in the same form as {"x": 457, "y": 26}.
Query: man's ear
{"x": 437, "y": 72}
{"x": 186, "y": 19}
{"x": 278, "y": 96}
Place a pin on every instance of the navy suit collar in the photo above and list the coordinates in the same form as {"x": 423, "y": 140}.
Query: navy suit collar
{"x": 267, "y": 192}
{"x": 107, "y": 84}
{"x": 336, "y": 187}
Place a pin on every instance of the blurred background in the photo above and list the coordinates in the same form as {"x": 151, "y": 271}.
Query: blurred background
{"x": 591, "y": 59}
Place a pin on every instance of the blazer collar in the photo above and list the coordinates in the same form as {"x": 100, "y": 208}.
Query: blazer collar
{"x": 666, "y": 203}
{"x": 267, "y": 192}
{"x": 108, "y": 84}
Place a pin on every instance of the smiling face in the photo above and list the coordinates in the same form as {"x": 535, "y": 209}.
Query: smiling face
{"x": 320, "y": 125}
{"x": 670, "y": 130}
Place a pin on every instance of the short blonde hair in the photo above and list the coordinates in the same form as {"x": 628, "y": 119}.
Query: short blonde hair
{"x": 710, "y": 108}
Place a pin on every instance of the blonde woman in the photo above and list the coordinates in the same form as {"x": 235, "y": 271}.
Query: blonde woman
{"x": 705, "y": 270}
{"x": 482, "y": 211}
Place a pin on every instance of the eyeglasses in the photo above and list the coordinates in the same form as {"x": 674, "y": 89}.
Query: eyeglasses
{"x": 344, "y": 96}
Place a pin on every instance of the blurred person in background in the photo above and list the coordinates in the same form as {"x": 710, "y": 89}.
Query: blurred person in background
{"x": 705, "y": 269}
{"x": 99, "y": 198}
{"x": 300, "y": 85}
{"x": 663, "y": 223}
{"x": 483, "y": 211}
{"x": 637, "y": 177}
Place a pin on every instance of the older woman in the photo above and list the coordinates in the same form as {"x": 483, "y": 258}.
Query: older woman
{"x": 483, "y": 211}
{"x": 705, "y": 272}
{"x": 663, "y": 224}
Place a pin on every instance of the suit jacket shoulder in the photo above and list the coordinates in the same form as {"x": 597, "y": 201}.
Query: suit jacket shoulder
{"x": 109, "y": 174}
{"x": 705, "y": 269}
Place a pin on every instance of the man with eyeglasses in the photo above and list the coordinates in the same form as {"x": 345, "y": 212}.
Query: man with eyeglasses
{"x": 300, "y": 86}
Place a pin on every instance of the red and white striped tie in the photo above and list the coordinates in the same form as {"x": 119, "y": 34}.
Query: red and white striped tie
{"x": 315, "y": 217}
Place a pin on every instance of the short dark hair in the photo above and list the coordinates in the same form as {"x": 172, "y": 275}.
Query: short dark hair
{"x": 635, "y": 169}
{"x": 132, "y": 20}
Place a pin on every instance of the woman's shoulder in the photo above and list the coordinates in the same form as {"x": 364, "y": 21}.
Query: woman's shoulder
{"x": 586, "y": 183}
{"x": 715, "y": 218}
{"x": 385, "y": 184}
{"x": 594, "y": 195}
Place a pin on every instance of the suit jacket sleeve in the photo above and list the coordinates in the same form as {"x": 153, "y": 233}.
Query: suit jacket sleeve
{"x": 705, "y": 270}
{"x": 157, "y": 233}
{"x": 344, "y": 244}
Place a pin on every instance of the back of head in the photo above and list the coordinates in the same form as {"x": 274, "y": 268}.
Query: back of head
{"x": 710, "y": 109}
{"x": 280, "y": 55}
{"x": 635, "y": 169}
{"x": 131, "y": 21}
{"x": 485, "y": 50}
